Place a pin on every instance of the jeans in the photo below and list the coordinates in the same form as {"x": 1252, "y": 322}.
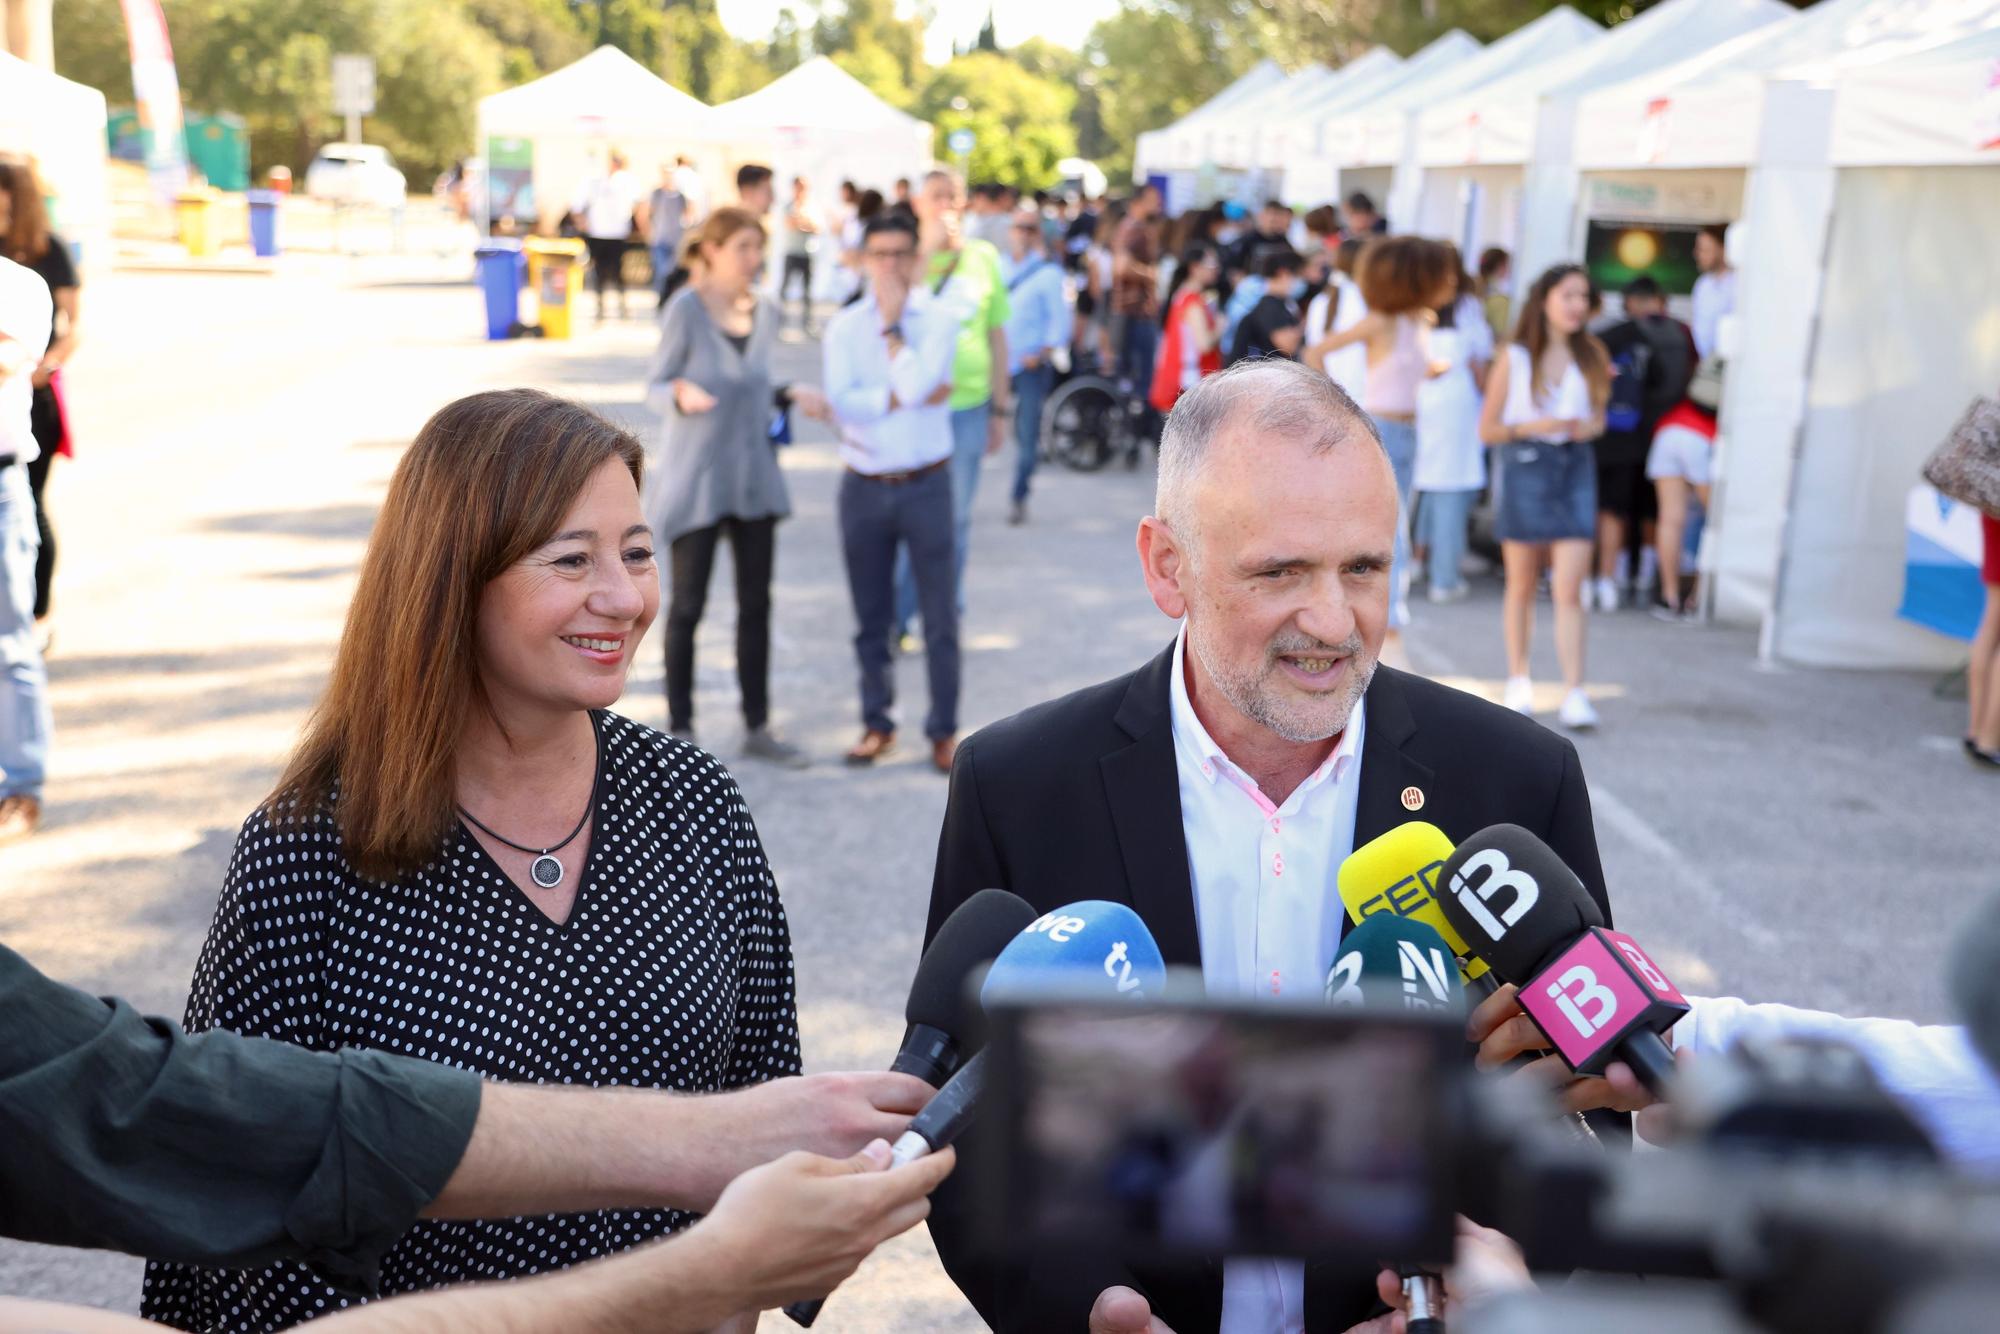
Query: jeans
{"x": 1441, "y": 524}
{"x": 751, "y": 547}
{"x": 25, "y": 720}
{"x": 802, "y": 265}
{"x": 1138, "y": 348}
{"x": 968, "y": 451}
{"x": 1031, "y": 390}
{"x": 880, "y": 522}
{"x": 1399, "y": 442}
{"x": 664, "y": 259}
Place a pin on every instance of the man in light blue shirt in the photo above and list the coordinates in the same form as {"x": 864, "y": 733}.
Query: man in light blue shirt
{"x": 1037, "y": 325}
{"x": 888, "y": 363}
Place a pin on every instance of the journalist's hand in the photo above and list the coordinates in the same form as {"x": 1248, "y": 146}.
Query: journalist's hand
{"x": 1504, "y": 1031}
{"x": 832, "y": 1114}
{"x": 1125, "y": 1311}
{"x": 796, "y": 1228}
{"x": 1485, "y": 1264}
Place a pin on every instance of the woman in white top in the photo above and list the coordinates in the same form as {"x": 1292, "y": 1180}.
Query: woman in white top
{"x": 1451, "y": 461}
{"x": 1338, "y": 308}
{"x": 1544, "y": 405}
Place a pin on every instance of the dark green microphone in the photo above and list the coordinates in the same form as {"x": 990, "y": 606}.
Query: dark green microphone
{"x": 1398, "y": 963}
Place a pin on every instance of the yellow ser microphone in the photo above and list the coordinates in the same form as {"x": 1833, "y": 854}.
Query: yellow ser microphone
{"x": 1398, "y": 873}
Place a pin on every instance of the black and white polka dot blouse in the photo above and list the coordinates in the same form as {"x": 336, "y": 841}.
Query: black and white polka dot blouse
{"x": 674, "y": 970}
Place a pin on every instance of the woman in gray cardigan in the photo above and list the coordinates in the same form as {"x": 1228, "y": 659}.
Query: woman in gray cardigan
{"x": 717, "y": 474}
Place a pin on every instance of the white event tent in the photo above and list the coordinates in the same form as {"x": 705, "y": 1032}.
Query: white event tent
{"x": 574, "y": 116}
{"x": 1915, "y": 151}
{"x": 1373, "y": 146}
{"x": 1513, "y": 138}
{"x": 820, "y": 122}
{"x": 1745, "y": 131}
{"x": 1179, "y": 146}
{"x": 59, "y": 125}
{"x": 1310, "y": 175}
{"x": 1290, "y": 133}
{"x": 1229, "y": 138}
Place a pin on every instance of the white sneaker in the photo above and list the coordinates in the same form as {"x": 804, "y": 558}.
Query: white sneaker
{"x": 1520, "y": 696}
{"x": 1576, "y": 712}
{"x": 1607, "y": 595}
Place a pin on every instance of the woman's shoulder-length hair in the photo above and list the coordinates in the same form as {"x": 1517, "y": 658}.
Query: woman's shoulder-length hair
{"x": 487, "y": 480}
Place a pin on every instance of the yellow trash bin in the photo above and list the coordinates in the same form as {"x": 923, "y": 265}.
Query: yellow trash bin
{"x": 555, "y": 272}
{"x": 195, "y": 209}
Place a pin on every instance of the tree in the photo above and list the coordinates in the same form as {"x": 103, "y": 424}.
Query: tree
{"x": 884, "y": 52}
{"x": 1020, "y": 122}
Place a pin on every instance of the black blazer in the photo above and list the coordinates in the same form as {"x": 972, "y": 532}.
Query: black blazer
{"x": 1079, "y": 798}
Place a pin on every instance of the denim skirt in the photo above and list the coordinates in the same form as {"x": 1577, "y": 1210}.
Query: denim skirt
{"x": 1544, "y": 492}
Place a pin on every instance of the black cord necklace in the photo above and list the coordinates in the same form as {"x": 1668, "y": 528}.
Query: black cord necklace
{"x": 547, "y": 870}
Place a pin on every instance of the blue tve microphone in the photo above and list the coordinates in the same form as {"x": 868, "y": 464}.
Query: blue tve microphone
{"x": 1082, "y": 949}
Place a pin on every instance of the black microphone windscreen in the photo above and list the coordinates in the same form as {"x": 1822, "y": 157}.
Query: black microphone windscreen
{"x": 973, "y": 935}
{"x": 1513, "y": 900}
{"x": 1975, "y": 980}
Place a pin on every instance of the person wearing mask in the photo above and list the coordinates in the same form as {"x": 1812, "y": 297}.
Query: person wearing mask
{"x": 666, "y": 223}
{"x": 1272, "y": 227}
{"x": 755, "y": 189}
{"x": 1496, "y": 292}
{"x": 1403, "y": 279}
{"x": 1275, "y": 325}
{"x": 1652, "y": 360}
{"x": 963, "y": 277}
{"x": 1337, "y": 307}
{"x": 26, "y": 316}
{"x": 1363, "y": 220}
{"x": 469, "y": 858}
{"x": 1450, "y": 468}
{"x": 718, "y": 473}
{"x": 888, "y": 360}
{"x": 230, "y": 1151}
{"x": 609, "y": 210}
{"x": 1037, "y": 328}
{"x": 1544, "y": 405}
{"x": 1191, "y": 338}
{"x": 1680, "y": 462}
{"x": 989, "y": 218}
{"x": 801, "y": 242}
{"x": 1714, "y": 291}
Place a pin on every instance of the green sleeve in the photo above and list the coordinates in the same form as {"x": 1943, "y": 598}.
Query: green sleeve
{"x": 123, "y": 1132}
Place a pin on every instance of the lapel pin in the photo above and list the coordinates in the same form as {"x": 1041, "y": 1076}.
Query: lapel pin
{"x": 1413, "y": 798}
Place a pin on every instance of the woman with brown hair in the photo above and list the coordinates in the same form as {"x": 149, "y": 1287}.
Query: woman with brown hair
{"x": 718, "y": 473}
{"x": 470, "y": 859}
{"x": 1403, "y": 280}
{"x": 1545, "y": 399}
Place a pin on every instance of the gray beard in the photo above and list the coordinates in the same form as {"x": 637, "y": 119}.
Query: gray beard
{"x": 1253, "y": 697}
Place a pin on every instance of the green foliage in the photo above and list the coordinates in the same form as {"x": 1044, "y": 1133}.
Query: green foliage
{"x": 1021, "y": 121}
{"x": 884, "y": 52}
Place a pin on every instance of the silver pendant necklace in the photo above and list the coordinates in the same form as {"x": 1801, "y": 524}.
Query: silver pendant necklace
{"x": 547, "y": 869}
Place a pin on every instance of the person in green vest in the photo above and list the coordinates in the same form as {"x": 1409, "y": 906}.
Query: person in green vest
{"x": 964, "y": 274}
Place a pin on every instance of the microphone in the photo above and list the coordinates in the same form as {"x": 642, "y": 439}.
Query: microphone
{"x": 940, "y": 1024}
{"x": 1397, "y": 962}
{"x": 1593, "y": 992}
{"x": 1397, "y": 873}
{"x": 1086, "y": 948}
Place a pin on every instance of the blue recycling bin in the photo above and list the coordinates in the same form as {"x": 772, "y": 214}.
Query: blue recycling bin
{"x": 263, "y": 222}
{"x": 501, "y": 265}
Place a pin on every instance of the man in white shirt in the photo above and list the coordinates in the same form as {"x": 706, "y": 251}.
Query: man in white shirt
{"x": 27, "y": 316}
{"x": 1714, "y": 291}
{"x": 688, "y": 184}
{"x": 888, "y": 360}
{"x": 609, "y": 209}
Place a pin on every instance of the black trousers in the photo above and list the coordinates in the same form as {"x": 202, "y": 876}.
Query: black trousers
{"x": 802, "y": 265}
{"x": 607, "y": 265}
{"x": 752, "y": 550}
{"x": 46, "y": 422}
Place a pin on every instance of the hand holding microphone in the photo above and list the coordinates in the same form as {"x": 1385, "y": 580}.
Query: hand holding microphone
{"x": 1505, "y": 1033}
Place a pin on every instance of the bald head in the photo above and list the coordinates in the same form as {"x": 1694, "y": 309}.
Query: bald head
{"x": 1252, "y": 407}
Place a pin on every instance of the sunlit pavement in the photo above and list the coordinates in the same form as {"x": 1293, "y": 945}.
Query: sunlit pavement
{"x": 1795, "y": 835}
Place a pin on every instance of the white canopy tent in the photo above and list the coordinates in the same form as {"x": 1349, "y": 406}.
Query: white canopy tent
{"x": 1513, "y": 138}
{"x": 1915, "y": 150}
{"x": 1751, "y": 121}
{"x": 59, "y": 125}
{"x": 1311, "y": 176}
{"x": 1229, "y": 138}
{"x": 573, "y": 117}
{"x": 1179, "y": 146}
{"x": 1289, "y": 131}
{"x": 822, "y": 123}
{"x": 1382, "y": 133}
